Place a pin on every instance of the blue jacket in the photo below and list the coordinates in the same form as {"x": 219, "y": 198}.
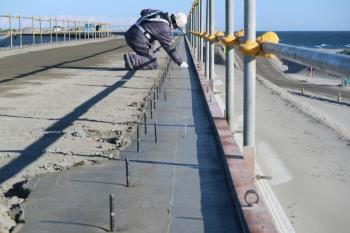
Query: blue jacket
{"x": 160, "y": 31}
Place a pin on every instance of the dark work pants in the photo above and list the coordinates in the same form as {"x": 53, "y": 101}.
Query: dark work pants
{"x": 142, "y": 59}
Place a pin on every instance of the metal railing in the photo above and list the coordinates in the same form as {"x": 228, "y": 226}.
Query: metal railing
{"x": 19, "y": 31}
{"x": 267, "y": 45}
{"x": 120, "y": 29}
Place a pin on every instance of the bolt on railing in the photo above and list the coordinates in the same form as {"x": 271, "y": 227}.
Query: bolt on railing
{"x": 18, "y": 30}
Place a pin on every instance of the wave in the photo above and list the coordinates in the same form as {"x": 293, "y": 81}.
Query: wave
{"x": 348, "y": 45}
{"x": 322, "y": 46}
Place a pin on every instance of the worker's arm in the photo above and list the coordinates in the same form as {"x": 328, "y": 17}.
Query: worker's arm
{"x": 165, "y": 40}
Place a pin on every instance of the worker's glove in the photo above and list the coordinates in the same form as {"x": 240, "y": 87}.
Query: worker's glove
{"x": 184, "y": 65}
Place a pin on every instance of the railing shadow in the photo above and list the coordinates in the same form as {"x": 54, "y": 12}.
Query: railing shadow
{"x": 54, "y": 132}
{"x": 217, "y": 205}
{"x": 75, "y": 223}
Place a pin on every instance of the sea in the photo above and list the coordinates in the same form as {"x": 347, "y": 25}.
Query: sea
{"x": 310, "y": 39}
{"x": 315, "y": 39}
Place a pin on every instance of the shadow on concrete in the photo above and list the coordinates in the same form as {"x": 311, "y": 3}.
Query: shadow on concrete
{"x": 54, "y": 132}
{"x": 194, "y": 166}
{"x": 217, "y": 205}
{"x": 58, "y": 65}
{"x": 55, "y": 119}
{"x": 90, "y": 68}
{"x": 98, "y": 182}
{"x": 190, "y": 218}
{"x": 76, "y": 223}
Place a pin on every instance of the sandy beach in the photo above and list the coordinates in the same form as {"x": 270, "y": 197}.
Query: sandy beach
{"x": 300, "y": 146}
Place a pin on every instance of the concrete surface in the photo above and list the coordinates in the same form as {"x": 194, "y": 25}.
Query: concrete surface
{"x": 177, "y": 185}
{"x": 65, "y": 107}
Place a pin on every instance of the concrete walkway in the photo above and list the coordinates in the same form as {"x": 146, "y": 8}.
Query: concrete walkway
{"x": 177, "y": 184}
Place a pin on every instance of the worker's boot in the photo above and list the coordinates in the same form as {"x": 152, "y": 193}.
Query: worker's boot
{"x": 139, "y": 62}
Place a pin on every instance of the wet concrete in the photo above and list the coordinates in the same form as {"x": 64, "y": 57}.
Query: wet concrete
{"x": 177, "y": 184}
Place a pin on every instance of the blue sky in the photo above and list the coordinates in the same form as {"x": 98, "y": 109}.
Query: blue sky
{"x": 271, "y": 14}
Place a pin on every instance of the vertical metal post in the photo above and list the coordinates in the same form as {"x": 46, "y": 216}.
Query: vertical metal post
{"x": 200, "y": 30}
{"x": 151, "y": 106}
{"x": 207, "y": 42}
{"x": 111, "y": 213}
{"x": 145, "y": 121}
{"x": 195, "y": 45}
{"x": 84, "y": 30}
{"x": 99, "y": 31}
{"x": 155, "y": 132}
{"x": 95, "y": 31}
{"x": 20, "y": 31}
{"x": 64, "y": 30}
{"x": 41, "y": 31}
{"x": 229, "y": 66}
{"x": 127, "y": 176}
{"x": 79, "y": 31}
{"x": 68, "y": 26}
{"x": 191, "y": 29}
{"x": 249, "y": 75}
{"x": 50, "y": 20}
{"x": 138, "y": 138}
{"x": 10, "y": 25}
{"x": 76, "y": 30}
{"x": 154, "y": 101}
{"x": 56, "y": 30}
{"x": 33, "y": 30}
{"x": 88, "y": 30}
{"x": 211, "y": 45}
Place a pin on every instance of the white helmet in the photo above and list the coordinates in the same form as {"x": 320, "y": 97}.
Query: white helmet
{"x": 181, "y": 19}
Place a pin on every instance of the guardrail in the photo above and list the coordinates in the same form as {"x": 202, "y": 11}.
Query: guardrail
{"x": 245, "y": 40}
{"x": 23, "y": 30}
{"x": 267, "y": 45}
{"x": 120, "y": 29}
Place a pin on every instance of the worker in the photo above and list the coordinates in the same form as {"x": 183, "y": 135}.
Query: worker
{"x": 154, "y": 25}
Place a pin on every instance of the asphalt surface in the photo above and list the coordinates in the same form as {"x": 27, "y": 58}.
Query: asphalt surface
{"x": 266, "y": 70}
{"x": 177, "y": 184}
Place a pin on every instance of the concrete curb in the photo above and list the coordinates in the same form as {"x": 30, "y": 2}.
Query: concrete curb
{"x": 253, "y": 218}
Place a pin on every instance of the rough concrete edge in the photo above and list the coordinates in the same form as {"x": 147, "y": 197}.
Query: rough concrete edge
{"x": 252, "y": 218}
{"x": 305, "y": 108}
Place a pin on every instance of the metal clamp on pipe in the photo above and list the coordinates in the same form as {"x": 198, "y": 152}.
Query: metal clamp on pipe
{"x": 229, "y": 41}
{"x": 240, "y": 34}
{"x": 219, "y": 35}
{"x": 216, "y": 37}
{"x": 254, "y": 48}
